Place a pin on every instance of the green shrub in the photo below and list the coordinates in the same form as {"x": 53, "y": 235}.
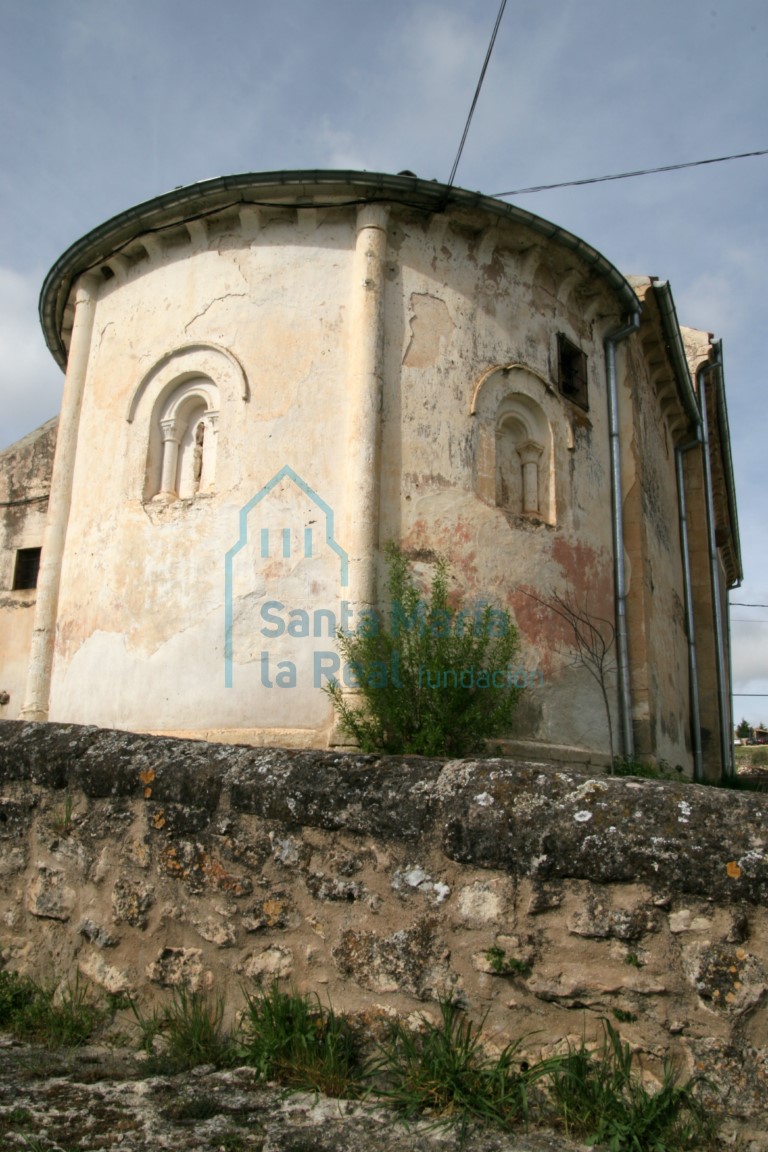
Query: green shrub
{"x": 294, "y": 1040}
{"x": 425, "y": 676}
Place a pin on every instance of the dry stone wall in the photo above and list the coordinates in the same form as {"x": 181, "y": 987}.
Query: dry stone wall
{"x": 547, "y": 899}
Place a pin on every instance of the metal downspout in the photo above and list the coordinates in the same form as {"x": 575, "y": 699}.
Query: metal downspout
{"x": 693, "y": 668}
{"x": 619, "y": 572}
{"x": 725, "y": 744}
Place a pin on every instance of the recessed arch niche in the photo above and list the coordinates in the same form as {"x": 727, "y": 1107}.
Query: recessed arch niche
{"x": 177, "y": 405}
{"x": 514, "y": 458}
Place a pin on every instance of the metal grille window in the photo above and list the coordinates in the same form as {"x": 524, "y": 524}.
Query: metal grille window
{"x": 26, "y": 569}
{"x": 572, "y": 371}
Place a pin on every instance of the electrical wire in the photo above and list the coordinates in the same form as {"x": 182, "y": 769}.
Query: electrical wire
{"x": 452, "y": 176}
{"x": 627, "y": 175}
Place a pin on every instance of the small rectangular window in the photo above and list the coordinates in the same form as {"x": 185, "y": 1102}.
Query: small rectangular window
{"x": 572, "y": 371}
{"x": 27, "y": 568}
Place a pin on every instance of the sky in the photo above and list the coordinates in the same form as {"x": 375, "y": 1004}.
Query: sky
{"x": 107, "y": 103}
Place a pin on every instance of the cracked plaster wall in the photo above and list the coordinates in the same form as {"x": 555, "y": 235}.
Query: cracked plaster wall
{"x": 470, "y": 309}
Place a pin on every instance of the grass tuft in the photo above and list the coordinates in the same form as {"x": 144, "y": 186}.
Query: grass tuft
{"x": 191, "y": 1029}
{"x": 36, "y": 1012}
{"x": 443, "y": 1072}
{"x": 294, "y": 1040}
{"x": 602, "y": 1098}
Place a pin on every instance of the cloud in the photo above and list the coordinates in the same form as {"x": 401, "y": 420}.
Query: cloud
{"x": 30, "y": 381}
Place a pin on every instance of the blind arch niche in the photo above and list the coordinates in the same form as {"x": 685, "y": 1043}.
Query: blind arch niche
{"x": 182, "y": 449}
{"x": 514, "y": 459}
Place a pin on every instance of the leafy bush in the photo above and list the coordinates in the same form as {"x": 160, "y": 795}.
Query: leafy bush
{"x": 435, "y": 679}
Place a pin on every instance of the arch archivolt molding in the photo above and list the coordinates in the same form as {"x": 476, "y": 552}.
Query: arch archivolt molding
{"x": 188, "y": 360}
{"x": 175, "y": 409}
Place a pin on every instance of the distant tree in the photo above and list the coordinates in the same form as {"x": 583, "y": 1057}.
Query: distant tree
{"x": 744, "y": 730}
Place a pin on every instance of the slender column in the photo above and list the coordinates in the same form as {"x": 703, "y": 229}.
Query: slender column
{"x": 46, "y": 608}
{"x": 529, "y": 454}
{"x": 171, "y": 440}
{"x": 365, "y": 402}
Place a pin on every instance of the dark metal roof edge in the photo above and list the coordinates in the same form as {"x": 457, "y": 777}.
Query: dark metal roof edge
{"x": 668, "y": 313}
{"x": 101, "y": 242}
{"x": 669, "y": 321}
{"x": 725, "y": 448}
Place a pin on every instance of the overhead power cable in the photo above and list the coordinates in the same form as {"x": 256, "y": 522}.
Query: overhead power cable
{"x": 624, "y": 175}
{"x": 452, "y": 176}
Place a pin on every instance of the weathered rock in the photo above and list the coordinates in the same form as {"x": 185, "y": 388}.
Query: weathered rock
{"x": 412, "y": 960}
{"x": 176, "y": 967}
{"x": 107, "y": 976}
{"x": 545, "y": 897}
{"x": 90, "y": 1097}
{"x": 131, "y": 901}
{"x": 727, "y": 977}
{"x": 49, "y": 896}
{"x": 98, "y": 934}
{"x": 274, "y": 963}
{"x": 599, "y": 921}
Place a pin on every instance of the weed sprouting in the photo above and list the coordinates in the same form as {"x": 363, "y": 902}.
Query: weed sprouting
{"x": 504, "y": 965}
{"x": 661, "y": 770}
{"x": 440, "y": 1071}
{"x": 63, "y": 820}
{"x": 16, "y": 993}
